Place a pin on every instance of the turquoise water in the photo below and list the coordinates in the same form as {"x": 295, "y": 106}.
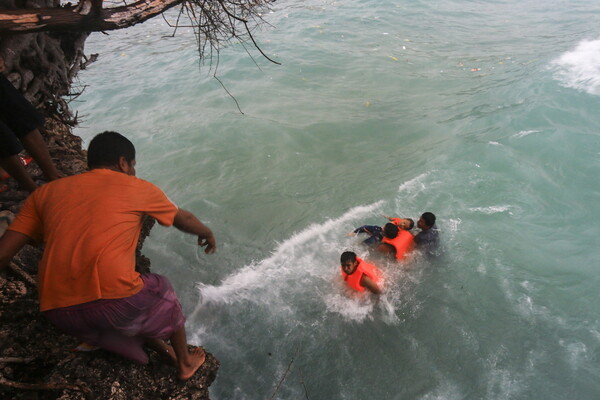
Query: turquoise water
{"x": 483, "y": 112}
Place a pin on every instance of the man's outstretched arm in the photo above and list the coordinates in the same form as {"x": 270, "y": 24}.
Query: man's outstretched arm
{"x": 10, "y": 244}
{"x": 187, "y": 222}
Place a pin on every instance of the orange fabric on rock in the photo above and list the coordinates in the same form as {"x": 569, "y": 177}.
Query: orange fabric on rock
{"x": 90, "y": 224}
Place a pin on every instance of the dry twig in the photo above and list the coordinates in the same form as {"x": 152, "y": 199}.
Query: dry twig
{"x": 284, "y": 376}
{"x": 22, "y": 274}
{"x": 302, "y": 382}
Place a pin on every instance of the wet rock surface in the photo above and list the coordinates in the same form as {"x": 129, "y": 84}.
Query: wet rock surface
{"x": 36, "y": 360}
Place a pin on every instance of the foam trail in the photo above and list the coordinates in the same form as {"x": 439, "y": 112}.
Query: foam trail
{"x": 249, "y": 282}
{"x": 416, "y": 181}
{"x": 580, "y": 69}
{"x": 525, "y": 133}
{"x": 409, "y": 191}
{"x": 491, "y": 209}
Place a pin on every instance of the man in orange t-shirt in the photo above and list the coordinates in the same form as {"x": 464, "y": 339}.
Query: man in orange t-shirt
{"x": 88, "y": 287}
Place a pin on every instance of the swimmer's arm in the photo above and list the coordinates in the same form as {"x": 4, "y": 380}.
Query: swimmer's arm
{"x": 10, "y": 244}
{"x": 369, "y": 284}
{"x": 355, "y": 232}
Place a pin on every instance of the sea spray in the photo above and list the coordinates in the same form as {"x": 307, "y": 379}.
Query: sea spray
{"x": 580, "y": 68}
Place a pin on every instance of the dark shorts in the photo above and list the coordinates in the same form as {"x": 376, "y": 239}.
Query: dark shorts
{"x": 17, "y": 118}
{"x": 122, "y": 326}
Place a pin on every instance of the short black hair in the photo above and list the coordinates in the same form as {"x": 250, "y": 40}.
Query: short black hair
{"x": 411, "y": 223}
{"x": 106, "y": 148}
{"x": 348, "y": 256}
{"x": 428, "y": 218}
{"x": 390, "y": 230}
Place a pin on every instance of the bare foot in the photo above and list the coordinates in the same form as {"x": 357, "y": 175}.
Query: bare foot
{"x": 196, "y": 357}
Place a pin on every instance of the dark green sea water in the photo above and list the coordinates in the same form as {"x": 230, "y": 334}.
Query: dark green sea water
{"x": 483, "y": 112}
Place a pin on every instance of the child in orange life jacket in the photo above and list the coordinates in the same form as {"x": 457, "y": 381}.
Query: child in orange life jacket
{"x": 396, "y": 242}
{"x": 360, "y": 275}
{"x": 402, "y": 223}
{"x": 376, "y": 232}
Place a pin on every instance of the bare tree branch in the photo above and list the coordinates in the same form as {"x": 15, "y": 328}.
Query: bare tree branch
{"x": 65, "y": 19}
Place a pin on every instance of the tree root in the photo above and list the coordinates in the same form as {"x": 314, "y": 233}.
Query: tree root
{"x": 22, "y": 274}
{"x": 4, "y": 360}
{"x": 42, "y": 386}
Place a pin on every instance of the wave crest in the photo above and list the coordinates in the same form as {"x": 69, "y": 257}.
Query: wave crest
{"x": 580, "y": 68}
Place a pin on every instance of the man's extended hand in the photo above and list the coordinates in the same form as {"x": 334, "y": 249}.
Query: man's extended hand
{"x": 210, "y": 243}
{"x": 187, "y": 222}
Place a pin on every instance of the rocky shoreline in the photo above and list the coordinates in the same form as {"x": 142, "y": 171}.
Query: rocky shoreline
{"x": 36, "y": 360}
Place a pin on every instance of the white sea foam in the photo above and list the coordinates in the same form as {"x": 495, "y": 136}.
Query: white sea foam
{"x": 417, "y": 182}
{"x": 524, "y": 133}
{"x": 356, "y": 309}
{"x": 491, "y": 209}
{"x": 446, "y": 390}
{"x": 409, "y": 192}
{"x": 596, "y": 334}
{"x": 576, "y": 352}
{"x": 580, "y": 68}
{"x": 296, "y": 257}
{"x": 452, "y": 224}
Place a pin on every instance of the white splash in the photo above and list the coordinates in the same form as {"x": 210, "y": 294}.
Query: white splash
{"x": 352, "y": 308}
{"x": 295, "y": 258}
{"x": 580, "y": 69}
{"x": 452, "y": 224}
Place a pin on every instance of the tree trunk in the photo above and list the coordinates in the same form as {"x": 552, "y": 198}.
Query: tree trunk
{"x": 42, "y": 65}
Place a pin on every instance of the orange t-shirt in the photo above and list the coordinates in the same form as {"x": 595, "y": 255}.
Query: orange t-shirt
{"x": 90, "y": 224}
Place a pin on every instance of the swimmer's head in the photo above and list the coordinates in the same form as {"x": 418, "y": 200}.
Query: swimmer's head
{"x": 349, "y": 262}
{"x": 426, "y": 221}
{"x": 390, "y": 230}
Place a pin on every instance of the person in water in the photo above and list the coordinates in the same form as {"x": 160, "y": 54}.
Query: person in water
{"x": 402, "y": 223}
{"x": 376, "y": 232}
{"x": 88, "y": 286}
{"x": 396, "y": 242}
{"x": 428, "y": 239}
{"x": 359, "y": 274}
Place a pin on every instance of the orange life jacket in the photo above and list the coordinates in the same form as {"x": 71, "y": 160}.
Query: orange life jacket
{"x": 395, "y": 221}
{"x": 402, "y": 243}
{"x": 363, "y": 268}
